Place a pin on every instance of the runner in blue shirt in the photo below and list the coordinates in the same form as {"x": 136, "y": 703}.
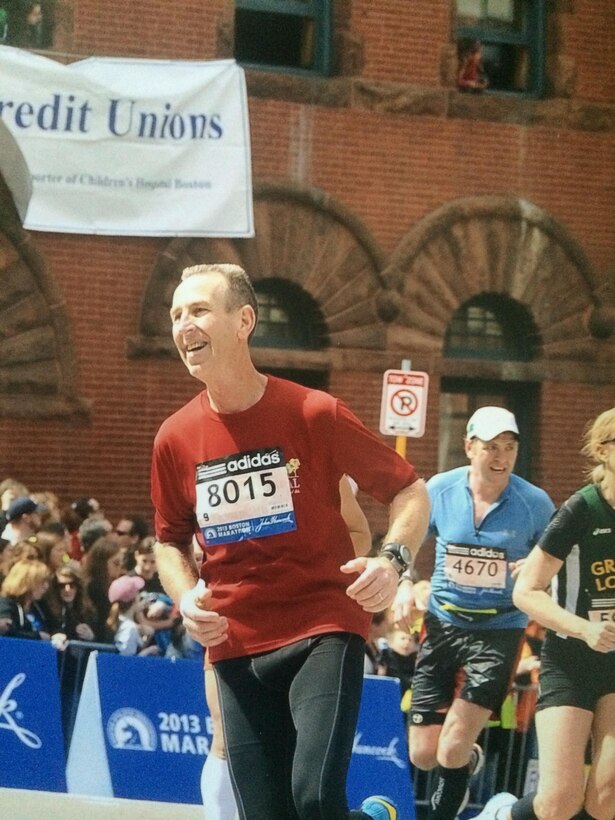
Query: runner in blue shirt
{"x": 485, "y": 521}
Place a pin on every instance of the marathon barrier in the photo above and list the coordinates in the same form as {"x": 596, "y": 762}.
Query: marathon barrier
{"x": 142, "y": 732}
{"x": 142, "y": 729}
{"x": 31, "y": 739}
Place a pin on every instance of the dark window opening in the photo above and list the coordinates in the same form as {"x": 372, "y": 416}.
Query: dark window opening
{"x": 492, "y": 326}
{"x": 284, "y": 34}
{"x": 284, "y": 41}
{"x": 288, "y": 317}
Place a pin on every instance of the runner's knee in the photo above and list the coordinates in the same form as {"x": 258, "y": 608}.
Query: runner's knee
{"x": 561, "y": 802}
{"x": 423, "y": 737}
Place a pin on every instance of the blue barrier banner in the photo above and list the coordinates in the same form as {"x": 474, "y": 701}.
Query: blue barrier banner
{"x": 380, "y": 762}
{"x": 142, "y": 730}
{"x": 31, "y": 740}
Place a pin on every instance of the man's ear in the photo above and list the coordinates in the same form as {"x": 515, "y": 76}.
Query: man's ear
{"x": 247, "y": 321}
{"x": 467, "y": 446}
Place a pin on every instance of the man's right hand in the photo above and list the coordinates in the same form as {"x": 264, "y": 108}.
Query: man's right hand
{"x": 203, "y": 625}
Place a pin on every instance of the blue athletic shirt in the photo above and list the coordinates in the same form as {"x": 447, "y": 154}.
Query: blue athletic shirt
{"x": 471, "y": 585}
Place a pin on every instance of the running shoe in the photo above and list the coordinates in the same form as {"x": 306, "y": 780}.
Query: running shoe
{"x": 497, "y": 807}
{"x": 379, "y": 808}
{"x": 475, "y": 765}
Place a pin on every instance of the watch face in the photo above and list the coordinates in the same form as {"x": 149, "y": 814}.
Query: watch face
{"x": 400, "y": 552}
{"x": 405, "y": 553}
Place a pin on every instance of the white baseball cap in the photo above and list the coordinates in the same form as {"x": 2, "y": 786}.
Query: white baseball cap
{"x": 488, "y": 422}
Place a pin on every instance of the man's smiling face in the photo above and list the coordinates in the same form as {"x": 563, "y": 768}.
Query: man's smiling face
{"x": 204, "y": 330}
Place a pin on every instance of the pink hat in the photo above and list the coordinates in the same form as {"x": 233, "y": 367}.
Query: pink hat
{"x": 125, "y": 588}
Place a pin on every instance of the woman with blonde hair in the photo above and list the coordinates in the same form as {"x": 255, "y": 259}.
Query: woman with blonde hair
{"x": 576, "y": 556}
{"x": 26, "y": 582}
{"x": 21, "y": 551}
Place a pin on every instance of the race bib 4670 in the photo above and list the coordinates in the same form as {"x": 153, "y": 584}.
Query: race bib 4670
{"x": 473, "y": 565}
{"x": 244, "y": 495}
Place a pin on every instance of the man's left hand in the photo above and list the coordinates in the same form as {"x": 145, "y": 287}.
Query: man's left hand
{"x": 375, "y": 588}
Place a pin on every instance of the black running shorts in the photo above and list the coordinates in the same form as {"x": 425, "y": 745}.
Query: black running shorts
{"x": 476, "y": 665}
{"x": 572, "y": 674}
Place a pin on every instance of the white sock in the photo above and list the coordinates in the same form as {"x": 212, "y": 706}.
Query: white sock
{"x": 216, "y": 790}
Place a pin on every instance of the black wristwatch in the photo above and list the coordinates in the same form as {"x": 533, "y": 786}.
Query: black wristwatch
{"x": 399, "y": 555}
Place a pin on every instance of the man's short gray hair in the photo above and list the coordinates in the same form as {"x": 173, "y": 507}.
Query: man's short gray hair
{"x": 240, "y": 291}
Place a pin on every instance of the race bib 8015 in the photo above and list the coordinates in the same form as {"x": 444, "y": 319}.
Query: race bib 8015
{"x": 244, "y": 495}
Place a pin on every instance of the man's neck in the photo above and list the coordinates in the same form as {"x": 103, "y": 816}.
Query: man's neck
{"x": 485, "y": 491}
{"x": 234, "y": 394}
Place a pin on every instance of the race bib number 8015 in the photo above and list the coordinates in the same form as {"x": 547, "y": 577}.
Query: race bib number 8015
{"x": 244, "y": 495}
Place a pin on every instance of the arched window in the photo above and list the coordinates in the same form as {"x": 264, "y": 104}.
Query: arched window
{"x": 495, "y": 327}
{"x": 287, "y": 317}
{"x": 492, "y": 326}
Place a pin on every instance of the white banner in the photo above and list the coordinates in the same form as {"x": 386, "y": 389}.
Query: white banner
{"x": 131, "y": 147}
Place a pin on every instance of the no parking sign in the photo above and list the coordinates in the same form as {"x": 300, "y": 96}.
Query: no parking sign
{"x": 404, "y": 403}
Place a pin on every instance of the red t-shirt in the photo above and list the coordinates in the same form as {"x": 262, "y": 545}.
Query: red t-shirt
{"x": 288, "y": 451}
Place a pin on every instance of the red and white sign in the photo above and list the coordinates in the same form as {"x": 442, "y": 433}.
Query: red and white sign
{"x": 404, "y": 403}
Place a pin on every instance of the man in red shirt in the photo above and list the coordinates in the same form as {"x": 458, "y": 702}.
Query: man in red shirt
{"x": 283, "y": 606}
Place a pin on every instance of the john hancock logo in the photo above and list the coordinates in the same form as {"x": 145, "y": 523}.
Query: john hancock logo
{"x": 387, "y": 754}
{"x": 10, "y": 714}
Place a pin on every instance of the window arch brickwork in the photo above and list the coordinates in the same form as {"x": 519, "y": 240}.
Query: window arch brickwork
{"x": 37, "y": 371}
{"x": 303, "y": 236}
{"x": 508, "y": 246}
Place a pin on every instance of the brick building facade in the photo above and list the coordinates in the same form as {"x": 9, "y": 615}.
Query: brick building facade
{"x": 394, "y": 202}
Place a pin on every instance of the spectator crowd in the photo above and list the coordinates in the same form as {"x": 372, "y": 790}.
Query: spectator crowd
{"x": 67, "y": 573}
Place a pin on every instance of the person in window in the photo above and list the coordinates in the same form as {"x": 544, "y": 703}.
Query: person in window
{"x": 26, "y": 24}
{"x": 576, "y": 702}
{"x": 470, "y": 73}
{"x": 25, "y": 584}
{"x": 485, "y": 520}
